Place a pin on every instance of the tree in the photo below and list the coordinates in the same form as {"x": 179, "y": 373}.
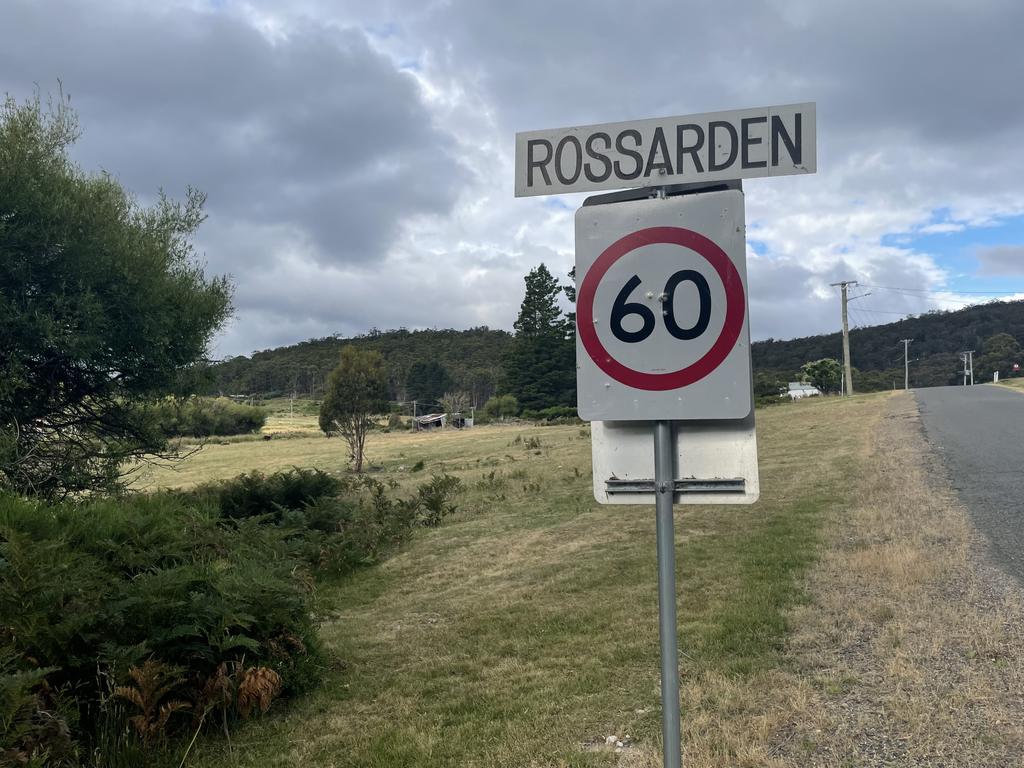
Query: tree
{"x": 103, "y": 310}
{"x": 570, "y": 293}
{"x": 999, "y": 353}
{"x": 427, "y": 381}
{"x": 454, "y": 402}
{"x": 356, "y": 390}
{"x": 501, "y": 407}
{"x": 540, "y": 369}
{"x": 825, "y": 374}
{"x": 768, "y": 384}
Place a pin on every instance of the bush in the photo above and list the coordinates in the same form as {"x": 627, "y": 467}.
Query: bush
{"x": 207, "y": 417}
{"x": 110, "y": 595}
{"x": 125, "y": 620}
{"x": 435, "y": 498}
{"x": 501, "y": 407}
{"x": 556, "y": 414}
{"x": 272, "y": 495}
{"x": 335, "y": 524}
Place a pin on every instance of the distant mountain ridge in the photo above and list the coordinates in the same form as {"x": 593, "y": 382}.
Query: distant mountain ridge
{"x": 474, "y": 358}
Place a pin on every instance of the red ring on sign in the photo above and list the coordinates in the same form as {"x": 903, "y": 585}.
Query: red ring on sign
{"x": 735, "y": 308}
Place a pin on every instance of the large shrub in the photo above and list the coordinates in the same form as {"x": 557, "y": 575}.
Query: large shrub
{"x": 335, "y": 524}
{"x": 206, "y": 417}
{"x": 123, "y": 621}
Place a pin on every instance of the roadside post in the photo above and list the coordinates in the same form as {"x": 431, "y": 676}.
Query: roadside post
{"x": 662, "y": 337}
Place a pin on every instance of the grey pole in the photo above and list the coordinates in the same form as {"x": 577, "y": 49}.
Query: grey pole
{"x": 664, "y": 487}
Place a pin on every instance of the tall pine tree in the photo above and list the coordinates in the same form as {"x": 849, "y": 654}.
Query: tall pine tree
{"x": 540, "y": 369}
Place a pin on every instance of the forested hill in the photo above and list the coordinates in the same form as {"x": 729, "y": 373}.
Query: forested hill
{"x": 471, "y": 359}
{"x": 422, "y": 364}
{"x": 877, "y": 351}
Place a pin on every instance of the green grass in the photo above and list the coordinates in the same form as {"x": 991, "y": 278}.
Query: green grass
{"x": 525, "y": 628}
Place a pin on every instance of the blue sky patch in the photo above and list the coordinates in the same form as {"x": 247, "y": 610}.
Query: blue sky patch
{"x": 955, "y": 251}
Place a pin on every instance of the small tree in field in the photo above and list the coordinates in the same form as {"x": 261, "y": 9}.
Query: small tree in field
{"x": 356, "y": 390}
{"x": 454, "y": 402}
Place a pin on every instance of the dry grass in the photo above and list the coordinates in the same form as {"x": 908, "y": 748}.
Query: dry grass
{"x": 914, "y": 651}
{"x": 391, "y": 453}
{"x": 282, "y": 423}
{"x": 1017, "y": 383}
{"x": 524, "y": 631}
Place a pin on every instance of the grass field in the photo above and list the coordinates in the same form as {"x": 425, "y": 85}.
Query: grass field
{"x": 524, "y": 631}
{"x": 1017, "y": 383}
{"x": 847, "y": 619}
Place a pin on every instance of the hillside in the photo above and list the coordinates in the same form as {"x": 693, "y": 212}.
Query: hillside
{"x": 473, "y": 358}
{"x": 877, "y": 351}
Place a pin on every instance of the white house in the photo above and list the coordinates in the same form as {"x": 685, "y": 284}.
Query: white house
{"x": 800, "y": 389}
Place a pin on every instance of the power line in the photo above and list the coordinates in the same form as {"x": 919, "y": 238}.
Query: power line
{"x": 884, "y": 311}
{"x": 941, "y": 291}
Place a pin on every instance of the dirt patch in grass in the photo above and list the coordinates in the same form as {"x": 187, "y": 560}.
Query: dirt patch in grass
{"x": 912, "y": 645}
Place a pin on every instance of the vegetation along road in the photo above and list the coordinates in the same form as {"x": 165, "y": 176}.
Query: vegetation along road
{"x": 979, "y": 431}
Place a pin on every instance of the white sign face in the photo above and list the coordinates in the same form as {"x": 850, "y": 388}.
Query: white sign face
{"x": 661, "y": 309}
{"x": 716, "y": 462}
{"x": 716, "y": 146}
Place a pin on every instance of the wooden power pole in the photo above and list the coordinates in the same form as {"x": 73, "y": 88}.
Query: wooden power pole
{"x": 847, "y": 375}
{"x": 906, "y": 363}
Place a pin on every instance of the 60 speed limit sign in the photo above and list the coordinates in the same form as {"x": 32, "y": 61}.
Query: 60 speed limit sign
{"x": 661, "y": 309}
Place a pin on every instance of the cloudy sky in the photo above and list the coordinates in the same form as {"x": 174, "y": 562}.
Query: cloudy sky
{"x": 358, "y": 156}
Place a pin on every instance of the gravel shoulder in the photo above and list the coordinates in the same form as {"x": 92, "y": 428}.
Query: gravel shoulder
{"x": 912, "y": 639}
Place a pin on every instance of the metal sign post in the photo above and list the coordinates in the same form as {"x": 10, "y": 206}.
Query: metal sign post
{"x": 664, "y": 484}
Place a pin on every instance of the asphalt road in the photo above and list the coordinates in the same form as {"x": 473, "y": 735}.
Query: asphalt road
{"x": 979, "y": 433}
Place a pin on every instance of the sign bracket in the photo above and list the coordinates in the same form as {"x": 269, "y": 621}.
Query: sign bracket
{"x": 614, "y": 485}
{"x": 663, "y": 191}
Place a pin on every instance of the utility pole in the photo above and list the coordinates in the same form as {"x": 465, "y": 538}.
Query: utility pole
{"x": 906, "y": 363}
{"x": 847, "y": 373}
{"x": 967, "y": 356}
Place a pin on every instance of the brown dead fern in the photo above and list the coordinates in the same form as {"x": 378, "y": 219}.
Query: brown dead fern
{"x": 257, "y": 688}
{"x": 153, "y": 683}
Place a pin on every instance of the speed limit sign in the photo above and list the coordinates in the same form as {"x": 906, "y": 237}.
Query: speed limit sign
{"x": 662, "y": 329}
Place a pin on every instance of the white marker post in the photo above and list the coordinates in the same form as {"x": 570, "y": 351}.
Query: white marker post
{"x": 663, "y": 340}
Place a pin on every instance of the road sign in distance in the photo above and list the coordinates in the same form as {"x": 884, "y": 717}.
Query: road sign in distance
{"x": 662, "y": 330}
{"x": 716, "y": 146}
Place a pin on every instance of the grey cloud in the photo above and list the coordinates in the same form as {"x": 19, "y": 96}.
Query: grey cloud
{"x": 319, "y": 155}
{"x": 316, "y": 131}
{"x": 1001, "y": 260}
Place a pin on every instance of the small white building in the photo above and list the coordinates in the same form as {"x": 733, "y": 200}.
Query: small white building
{"x": 801, "y": 389}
